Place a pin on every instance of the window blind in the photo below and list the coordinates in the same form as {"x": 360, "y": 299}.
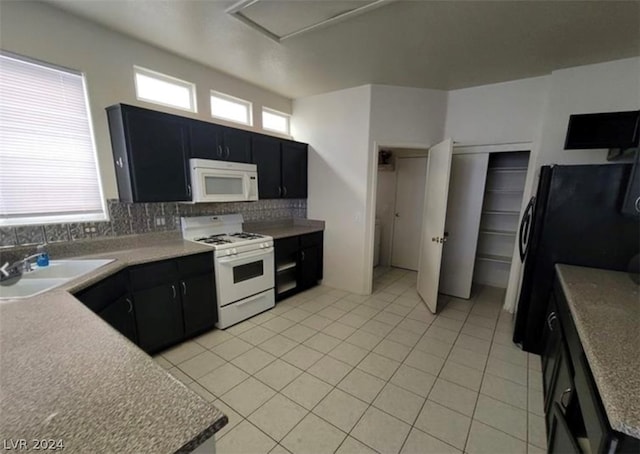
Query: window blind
{"x": 48, "y": 166}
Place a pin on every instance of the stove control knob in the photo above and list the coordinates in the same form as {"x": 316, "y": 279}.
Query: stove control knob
{"x": 228, "y": 252}
{"x": 233, "y": 251}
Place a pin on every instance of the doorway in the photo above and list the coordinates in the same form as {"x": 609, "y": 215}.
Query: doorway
{"x": 409, "y": 203}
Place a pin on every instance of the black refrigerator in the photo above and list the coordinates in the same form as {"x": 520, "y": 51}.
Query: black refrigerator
{"x": 575, "y": 218}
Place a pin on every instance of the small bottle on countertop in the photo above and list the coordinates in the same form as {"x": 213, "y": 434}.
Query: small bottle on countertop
{"x": 43, "y": 258}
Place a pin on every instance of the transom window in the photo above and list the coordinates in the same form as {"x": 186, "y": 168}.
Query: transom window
{"x": 48, "y": 163}
{"x": 272, "y": 120}
{"x": 158, "y": 88}
{"x": 231, "y": 108}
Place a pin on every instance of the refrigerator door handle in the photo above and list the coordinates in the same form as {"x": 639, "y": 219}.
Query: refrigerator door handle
{"x": 525, "y": 228}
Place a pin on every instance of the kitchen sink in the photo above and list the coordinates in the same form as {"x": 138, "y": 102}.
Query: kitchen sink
{"x": 64, "y": 269}
{"x": 46, "y": 278}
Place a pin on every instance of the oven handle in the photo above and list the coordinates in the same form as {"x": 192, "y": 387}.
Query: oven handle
{"x": 235, "y": 258}
{"x": 248, "y": 300}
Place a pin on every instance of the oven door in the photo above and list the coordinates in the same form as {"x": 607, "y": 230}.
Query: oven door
{"x": 219, "y": 185}
{"x": 244, "y": 275}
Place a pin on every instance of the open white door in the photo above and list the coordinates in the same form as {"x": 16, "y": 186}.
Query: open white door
{"x": 435, "y": 213}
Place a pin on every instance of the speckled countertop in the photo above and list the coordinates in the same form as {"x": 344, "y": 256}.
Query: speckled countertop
{"x": 67, "y": 375}
{"x": 605, "y": 306}
{"x": 285, "y": 228}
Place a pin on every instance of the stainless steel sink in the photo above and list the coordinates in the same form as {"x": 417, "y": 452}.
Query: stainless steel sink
{"x": 46, "y": 278}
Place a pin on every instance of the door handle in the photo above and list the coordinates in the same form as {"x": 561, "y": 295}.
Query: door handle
{"x": 227, "y": 150}
{"x": 184, "y": 288}
{"x": 284, "y": 190}
{"x": 550, "y": 319}
{"x": 302, "y": 254}
{"x": 566, "y": 392}
{"x": 119, "y": 162}
{"x": 637, "y": 204}
{"x": 128, "y": 300}
{"x": 189, "y": 190}
{"x": 220, "y": 150}
{"x": 279, "y": 191}
{"x": 173, "y": 289}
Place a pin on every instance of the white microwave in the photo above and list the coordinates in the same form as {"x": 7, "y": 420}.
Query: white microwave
{"x": 222, "y": 181}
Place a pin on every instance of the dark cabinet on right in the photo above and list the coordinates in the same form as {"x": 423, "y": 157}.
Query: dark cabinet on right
{"x": 282, "y": 167}
{"x": 298, "y": 263}
{"x": 575, "y": 417}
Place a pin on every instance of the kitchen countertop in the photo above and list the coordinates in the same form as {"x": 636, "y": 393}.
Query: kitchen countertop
{"x": 605, "y": 306}
{"x": 67, "y": 375}
{"x": 283, "y": 229}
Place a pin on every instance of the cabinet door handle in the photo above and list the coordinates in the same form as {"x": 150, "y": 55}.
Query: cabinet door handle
{"x": 119, "y": 162}
{"x": 173, "y": 289}
{"x": 550, "y": 318}
{"x": 189, "y": 190}
{"x": 220, "y": 150}
{"x": 227, "y": 150}
{"x": 302, "y": 253}
{"x": 128, "y": 300}
{"x": 184, "y": 288}
{"x": 284, "y": 189}
{"x": 279, "y": 191}
{"x": 566, "y": 392}
{"x": 637, "y": 204}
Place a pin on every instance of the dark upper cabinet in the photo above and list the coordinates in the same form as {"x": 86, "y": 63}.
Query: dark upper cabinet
{"x": 212, "y": 141}
{"x": 282, "y": 167}
{"x": 294, "y": 170}
{"x": 236, "y": 145}
{"x": 266, "y": 155}
{"x": 150, "y": 152}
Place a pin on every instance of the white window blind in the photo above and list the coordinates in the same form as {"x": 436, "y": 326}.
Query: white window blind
{"x": 48, "y": 168}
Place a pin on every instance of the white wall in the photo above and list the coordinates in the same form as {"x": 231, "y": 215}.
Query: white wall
{"x": 336, "y": 126}
{"x": 401, "y": 117}
{"x": 40, "y": 31}
{"x": 497, "y": 113}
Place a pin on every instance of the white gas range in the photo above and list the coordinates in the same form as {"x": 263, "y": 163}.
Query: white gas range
{"x": 243, "y": 263}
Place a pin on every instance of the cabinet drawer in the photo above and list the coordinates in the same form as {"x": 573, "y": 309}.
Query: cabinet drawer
{"x": 236, "y": 312}
{"x": 153, "y": 275}
{"x": 195, "y": 264}
{"x": 310, "y": 239}
{"x": 561, "y": 440}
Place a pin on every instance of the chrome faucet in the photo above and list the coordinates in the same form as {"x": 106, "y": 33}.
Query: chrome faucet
{"x": 27, "y": 261}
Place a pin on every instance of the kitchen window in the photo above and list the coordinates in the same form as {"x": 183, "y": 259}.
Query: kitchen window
{"x": 158, "y": 88}
{"x": 272, "y": 120}
{"x": 48, "y": 164}
{"x": 231, "y": 108}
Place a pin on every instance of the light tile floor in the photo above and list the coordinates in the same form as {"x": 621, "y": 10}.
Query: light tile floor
{"x": 331, "y": 372}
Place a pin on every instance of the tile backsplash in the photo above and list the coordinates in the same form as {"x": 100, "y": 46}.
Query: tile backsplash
{"x": 136, "y": 218}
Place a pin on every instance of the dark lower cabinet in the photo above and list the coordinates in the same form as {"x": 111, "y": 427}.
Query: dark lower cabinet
{"x": 158, "y": 304}
{"x": 575, "y": 417}
{"x": 159, "y": 317}
{"x": 119, "y": 314}
{"x": 198, "y": 303}
{"x": 298, "y": 263}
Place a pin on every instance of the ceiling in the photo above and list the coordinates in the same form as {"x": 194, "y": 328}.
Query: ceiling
{"x": 431, "y": 44}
